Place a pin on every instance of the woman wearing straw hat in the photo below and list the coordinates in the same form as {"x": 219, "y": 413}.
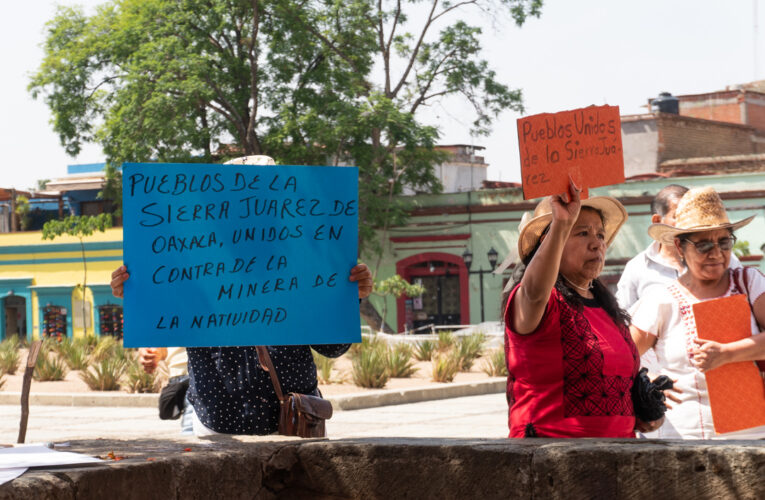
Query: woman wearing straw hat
{"x": 703, "y": 235}
{"x": 569, "y": 353}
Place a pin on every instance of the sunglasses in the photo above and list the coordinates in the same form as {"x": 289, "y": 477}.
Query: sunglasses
{"x": 706, "y": 246}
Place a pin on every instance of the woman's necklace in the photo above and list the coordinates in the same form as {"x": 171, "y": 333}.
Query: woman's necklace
{"x": 584, "y": 289}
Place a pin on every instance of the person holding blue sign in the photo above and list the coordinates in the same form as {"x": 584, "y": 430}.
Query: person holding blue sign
{"x": 229, "y": 390}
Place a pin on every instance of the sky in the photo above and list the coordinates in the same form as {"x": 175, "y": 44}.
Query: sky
{"x": 578, "y": 53}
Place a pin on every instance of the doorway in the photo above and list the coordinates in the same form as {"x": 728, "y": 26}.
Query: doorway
{"x": 15, "y": 309}
{"x": 445, "y": 300}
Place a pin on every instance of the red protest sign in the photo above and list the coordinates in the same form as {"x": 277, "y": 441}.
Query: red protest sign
{"x": 583, "y": 143}
{"x": 736, "y": 390}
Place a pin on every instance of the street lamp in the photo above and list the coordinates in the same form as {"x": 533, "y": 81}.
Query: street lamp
{"x": 467, "y": 258}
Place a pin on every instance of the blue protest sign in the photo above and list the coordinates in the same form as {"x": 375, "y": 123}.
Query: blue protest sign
{"x": 233, "y": 255}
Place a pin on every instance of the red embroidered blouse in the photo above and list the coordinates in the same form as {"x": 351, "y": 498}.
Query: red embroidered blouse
{"x": 571, "y": 377}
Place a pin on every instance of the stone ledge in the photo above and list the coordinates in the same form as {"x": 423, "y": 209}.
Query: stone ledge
{"x": 272, "y": 467}
{"x": 355, "y": 401}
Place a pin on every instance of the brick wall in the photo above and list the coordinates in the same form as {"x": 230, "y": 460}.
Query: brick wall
{"x": 755, "y": 111}
{"x": 685, "y": 137}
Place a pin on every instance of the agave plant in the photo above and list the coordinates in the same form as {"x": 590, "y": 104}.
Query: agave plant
{"x": 469, "y": 349}
{"x": 9, "y": 360}
{"x": 370, "y": 370}
{"x": 424, "y": 350}
{"x": 49, "y": 367}
{"x": 446, "y": 339}
{"x": 137, "y": 380}
{"x": 108, "y": 347}
{"x": 367, "y": 342}
{"x": 75, "y": 353}
{"x": 445, "y": 366}
{"x": 399, "y": 361}
{"x": 494, "y": 364}
{"x": 324, "y": 367}
{"x": 104, "y": 375}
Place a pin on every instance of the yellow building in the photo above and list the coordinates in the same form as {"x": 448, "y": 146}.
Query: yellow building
{"x": 41, "y": 285}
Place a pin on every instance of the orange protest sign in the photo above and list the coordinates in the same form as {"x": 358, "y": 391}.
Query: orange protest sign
{"x": 736, "y": 390}
{"x": 584, "y": 143}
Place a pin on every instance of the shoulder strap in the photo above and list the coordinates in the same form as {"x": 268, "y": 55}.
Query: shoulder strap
{"x": 265, "y": 362}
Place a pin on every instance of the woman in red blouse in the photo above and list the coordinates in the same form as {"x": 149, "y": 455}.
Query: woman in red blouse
{"x": 569, "y": 353}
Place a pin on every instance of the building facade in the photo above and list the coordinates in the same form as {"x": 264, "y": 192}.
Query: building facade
{"x": 444, "y": 228}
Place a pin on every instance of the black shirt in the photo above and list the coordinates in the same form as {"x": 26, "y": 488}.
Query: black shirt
{"x": 232, "y": 394}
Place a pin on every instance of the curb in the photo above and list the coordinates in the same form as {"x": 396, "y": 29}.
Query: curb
{"x": 386, "y": 397}
{"x": 358, "y": 401}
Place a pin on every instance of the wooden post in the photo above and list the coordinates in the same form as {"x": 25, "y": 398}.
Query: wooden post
{"x": 34, "y": 350}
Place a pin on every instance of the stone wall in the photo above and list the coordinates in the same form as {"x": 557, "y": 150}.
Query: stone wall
{"x": 268, "y": 468}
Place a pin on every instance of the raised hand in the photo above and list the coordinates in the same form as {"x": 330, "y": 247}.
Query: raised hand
{"x": 566, "y": 206}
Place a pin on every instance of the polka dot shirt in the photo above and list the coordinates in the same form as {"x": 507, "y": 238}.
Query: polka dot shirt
{"x": 232, "y": 394}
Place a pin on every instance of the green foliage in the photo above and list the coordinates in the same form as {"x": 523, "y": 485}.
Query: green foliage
{"x": 306, "y": 82}
{"x": 445, "y": 366}
{"x": 494, "y": 364}
{"x": 105, "y": 374}
{"x": 9, "y": 355}
{"x": 49, "y": 367}
{"x": 397, "y": 286}
{"x": 22, "y": 211}
{"x": 324, "y": 367}
{"x": 137, "y": 380}
{"x": 741, "y": 248}
{"x": 74, "y": 352}
{"x": 399, "y": 361}
{"x": 424, "y": 350}
{"x": 468, "y": 349}
{"x": 367, "y": 342}
{"x": 108, "y": 347}
{"x": 446, "y": 340}
{"x": 370, "y": 369}
{"x": 78, "y": 226}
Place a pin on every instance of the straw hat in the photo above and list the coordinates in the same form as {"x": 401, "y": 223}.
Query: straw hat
{"x": 700, "y": 209}
{"x": 532, "y": 225}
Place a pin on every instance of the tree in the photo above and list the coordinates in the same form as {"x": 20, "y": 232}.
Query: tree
{"x": 307, "y": 82}
{"x": 395, "y": 286}
{"x": 22, "y": 212}
{"x": 78, "y": 226}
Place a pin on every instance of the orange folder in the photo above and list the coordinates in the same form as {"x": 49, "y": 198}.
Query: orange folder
{"x": 585, "y": 144}
{"x": 736, "y": 390}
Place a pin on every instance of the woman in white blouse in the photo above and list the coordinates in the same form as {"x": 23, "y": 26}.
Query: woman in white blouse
{"x": 664, "y": 320}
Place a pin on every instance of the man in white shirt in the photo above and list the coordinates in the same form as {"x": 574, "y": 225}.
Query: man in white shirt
{"x": 658, "y": 264}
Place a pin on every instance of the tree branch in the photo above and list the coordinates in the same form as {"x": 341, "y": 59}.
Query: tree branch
{"x": 416, "y": 50}
{"x": 455, "y": 6}
{"x": 252, "y": 55}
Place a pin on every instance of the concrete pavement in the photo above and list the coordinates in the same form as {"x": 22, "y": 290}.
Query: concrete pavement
{"x": 468, "y": 417}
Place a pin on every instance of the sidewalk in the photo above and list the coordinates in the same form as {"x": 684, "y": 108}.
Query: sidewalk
{"x": 356, "y": 401}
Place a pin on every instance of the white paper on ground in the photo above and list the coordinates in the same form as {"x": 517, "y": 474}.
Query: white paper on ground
{"x": 40, "y": 456}
{"x": 10, "y": 474}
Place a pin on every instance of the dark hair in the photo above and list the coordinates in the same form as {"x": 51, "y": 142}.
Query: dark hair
{"x": 660, "y": 203}
{"x": 602, "y": 294}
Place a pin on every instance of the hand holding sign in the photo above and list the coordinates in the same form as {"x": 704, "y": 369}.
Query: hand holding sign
{"x": 585, "y": 144}
{"x": 736, "y": 391}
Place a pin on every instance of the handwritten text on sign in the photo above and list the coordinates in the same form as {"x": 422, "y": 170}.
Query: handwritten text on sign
{"x": 585, "y": 143}
{"x": 226, "y": 255}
